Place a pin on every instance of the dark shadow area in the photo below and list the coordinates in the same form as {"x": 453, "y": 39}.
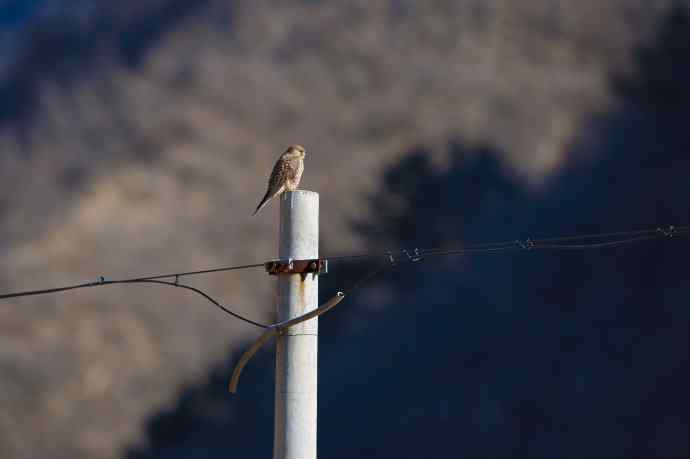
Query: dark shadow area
{"x": 199, "y": 425}
{"x": 13, "y": 12}
{"x": 58, "y": 51}
{"x": 537, "y": 355}
{"x": 144, "y": 32}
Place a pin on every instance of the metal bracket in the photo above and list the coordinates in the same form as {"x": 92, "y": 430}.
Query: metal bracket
{"x": 525, "y": 245}
{"x": 668, "y": 232}
{"x": 315, "y": 266}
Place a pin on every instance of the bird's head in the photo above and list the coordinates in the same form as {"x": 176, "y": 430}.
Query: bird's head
{"x": 294, "y": 152}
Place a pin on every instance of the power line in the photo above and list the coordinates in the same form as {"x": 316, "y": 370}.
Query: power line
{"x": 202, "y": 271}
{"x": 561, "y": 243}
{"x": 101, "y": 280}
{"x": 416, "y": 255}
{"x": 205, "y": 295}
{"x": 600, "y": 240}
{"x": 529, "y": 244}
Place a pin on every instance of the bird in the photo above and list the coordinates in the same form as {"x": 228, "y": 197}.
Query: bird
{"x": 286, "y": 174}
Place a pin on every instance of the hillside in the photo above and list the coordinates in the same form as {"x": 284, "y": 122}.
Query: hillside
{"x": 140, "y": 140}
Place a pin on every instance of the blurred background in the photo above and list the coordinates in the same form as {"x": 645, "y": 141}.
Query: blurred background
{"x": 136, "y": 137}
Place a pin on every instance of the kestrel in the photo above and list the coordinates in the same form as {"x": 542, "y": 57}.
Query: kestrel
{"x": 286, "y": 174}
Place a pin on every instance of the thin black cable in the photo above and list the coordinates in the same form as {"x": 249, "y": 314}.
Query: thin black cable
{"x": 594, "y": 245}
{"x": 202, "y": 271}
{"x": 400, "y": 254}
{"x": 140, "y": 281}
{"x": 352, "y": 257}
{"x": 200, "y": 292}
{"x": 600, "y": 235}
{"x": 413, "y": 255}
{"x": 543, "y": 243}
{"x": 128, "y": 280}
{"x": 539, "y": 245}
{"x": 658, "y": 231}
{"x": 47, "y": 290}
{"x": 416, "y": 255}
{"x": 514, "y": 245}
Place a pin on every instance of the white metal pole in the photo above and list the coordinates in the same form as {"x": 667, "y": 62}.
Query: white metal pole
{"x": 297, "y": 349}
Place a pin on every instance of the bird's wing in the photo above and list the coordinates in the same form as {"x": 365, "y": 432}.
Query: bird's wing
{"x": 276, "y": 183}
{"x": 278, "y": 177}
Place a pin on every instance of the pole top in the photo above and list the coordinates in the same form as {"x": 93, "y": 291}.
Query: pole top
{"x": 303, "y": 192}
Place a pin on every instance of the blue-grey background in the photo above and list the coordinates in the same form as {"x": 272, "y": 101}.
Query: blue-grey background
{"x": 136, "y": 138}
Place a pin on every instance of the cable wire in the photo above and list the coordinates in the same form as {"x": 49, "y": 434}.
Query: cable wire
{"x": 561, "y": 243}
{"x": 402, "y": 255}
{"x": 102, "y": 282}
{"x": 549, "y": 243}
{"x": 202, "y": 293}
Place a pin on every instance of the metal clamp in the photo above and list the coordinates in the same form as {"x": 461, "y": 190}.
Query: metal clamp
{"x": 413, "y": 257}
{"x": 289, "y": 266}
{"x": 668, "y": 232}
{"x": 525, "y": 245}
{"x": 391, "y": 258}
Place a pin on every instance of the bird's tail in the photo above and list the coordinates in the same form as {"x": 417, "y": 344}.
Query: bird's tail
{"x": 264, "y": 201}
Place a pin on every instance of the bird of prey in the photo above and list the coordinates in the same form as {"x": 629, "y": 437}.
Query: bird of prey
{"x": 286, "y": 174}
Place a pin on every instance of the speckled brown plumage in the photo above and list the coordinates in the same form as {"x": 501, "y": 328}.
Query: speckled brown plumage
{"x": 286, "y": 174}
